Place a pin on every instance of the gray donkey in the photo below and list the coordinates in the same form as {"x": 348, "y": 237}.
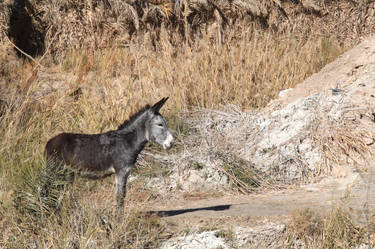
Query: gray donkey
{"x": 100, "y": 155}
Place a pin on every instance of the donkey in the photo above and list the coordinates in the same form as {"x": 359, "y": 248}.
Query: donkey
{"x": 114, "y": 152}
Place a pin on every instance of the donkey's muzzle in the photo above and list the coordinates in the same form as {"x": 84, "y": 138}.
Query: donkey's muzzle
{"x": 168, "y": 142}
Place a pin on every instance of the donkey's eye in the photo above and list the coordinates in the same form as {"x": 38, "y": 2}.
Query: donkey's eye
{"x": 160, "y": 125}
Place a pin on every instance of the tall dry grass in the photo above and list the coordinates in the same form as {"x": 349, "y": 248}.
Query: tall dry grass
{"x": 248, "y": 72}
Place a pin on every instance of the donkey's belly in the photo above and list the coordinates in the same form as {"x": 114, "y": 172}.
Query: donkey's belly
{"x": 95, "y": 174}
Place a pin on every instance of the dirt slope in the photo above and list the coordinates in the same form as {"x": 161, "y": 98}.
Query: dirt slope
{"x": 338, "y": 74}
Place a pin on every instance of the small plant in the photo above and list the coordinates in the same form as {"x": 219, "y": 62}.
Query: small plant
{"x": 306, "y": 224}
{"x": 205, "y": 175}
{"x": 226, "y": 234}
{"x": 197, "y": 166}
{"x": 186, "y": 230}
{"x": 179, "y": 185}
{"x": 266, "y": 150}
{"x": 208, "y": 227}
{"x": 341, "y": 232}
{"x": 42, "y": 190}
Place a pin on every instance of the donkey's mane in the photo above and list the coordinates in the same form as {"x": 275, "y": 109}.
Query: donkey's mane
{"x": 134, "y": 117}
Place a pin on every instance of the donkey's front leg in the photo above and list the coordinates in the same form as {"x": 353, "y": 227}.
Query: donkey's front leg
{"x": 121, "y": 179}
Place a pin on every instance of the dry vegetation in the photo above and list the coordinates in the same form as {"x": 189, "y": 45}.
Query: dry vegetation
{"x": 337, "y": 229}
{"x": 99, "y": 61}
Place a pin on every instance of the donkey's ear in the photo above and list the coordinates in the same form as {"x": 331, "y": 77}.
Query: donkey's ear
{"x": 156, "y": 107}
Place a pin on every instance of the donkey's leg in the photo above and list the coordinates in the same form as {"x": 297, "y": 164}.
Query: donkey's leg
{"x": 121, "y": 179}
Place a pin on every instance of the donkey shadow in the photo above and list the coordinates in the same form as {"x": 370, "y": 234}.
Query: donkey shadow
{"x": 169, "y": 213}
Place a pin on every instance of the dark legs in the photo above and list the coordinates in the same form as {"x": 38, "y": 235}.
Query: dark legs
{"x": 121, "y": 179}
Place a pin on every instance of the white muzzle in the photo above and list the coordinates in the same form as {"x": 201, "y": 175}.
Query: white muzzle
{"x": 168, "y": 142}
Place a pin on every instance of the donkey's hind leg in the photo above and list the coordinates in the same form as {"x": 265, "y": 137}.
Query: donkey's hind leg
{"x": 121, "y": 179}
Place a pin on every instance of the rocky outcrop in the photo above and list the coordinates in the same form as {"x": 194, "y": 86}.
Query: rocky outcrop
{"x": 265, "y": 235}
{"x": 204, "y": 240}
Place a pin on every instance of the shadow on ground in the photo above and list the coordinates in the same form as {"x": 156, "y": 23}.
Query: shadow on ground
{"x": 169, "y": 213}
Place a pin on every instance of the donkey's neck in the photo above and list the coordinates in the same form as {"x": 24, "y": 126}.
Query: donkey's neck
{"x": 137, "y": 127}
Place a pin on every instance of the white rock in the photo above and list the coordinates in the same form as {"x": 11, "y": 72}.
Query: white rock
{"x": 205, "y": 240}
{"x": 282, "y": 93}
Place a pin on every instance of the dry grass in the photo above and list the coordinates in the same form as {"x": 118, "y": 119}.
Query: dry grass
{"x": 248, "y": 71}
{"x": 336, "y": 229}
{"x": 81, "y": 225}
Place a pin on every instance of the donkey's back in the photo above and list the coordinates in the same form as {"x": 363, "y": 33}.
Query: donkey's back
{"x": 80, "y": 151}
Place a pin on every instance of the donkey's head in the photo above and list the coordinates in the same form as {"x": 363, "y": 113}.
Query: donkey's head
{"x": 157, "y": 130}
